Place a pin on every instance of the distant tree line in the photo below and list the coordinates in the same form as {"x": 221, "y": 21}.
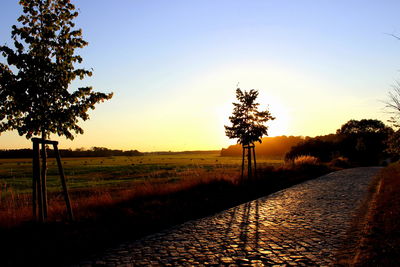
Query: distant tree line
{"x": 93, "y": 152}
{"x": 363, "y": 142}
{"x": 271, "y": 147}
{"x": 360, "y": 142}
{"x": 189, "y": 152}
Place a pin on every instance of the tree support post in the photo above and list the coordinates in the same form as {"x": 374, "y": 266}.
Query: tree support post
{"x": 249, "y": 170}
{"x": 44, "y": 182}
{"x": 254, "y": 159}
{"x": 39, "y": 191}
{"x": 64, "y": 184}
{"x": 243, "y": 151}
{"x": 251, "y": 156}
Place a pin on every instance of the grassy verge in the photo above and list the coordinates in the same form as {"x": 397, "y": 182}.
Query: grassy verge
{"x": 380, "y": 245}
{"x": 135, "y": 215}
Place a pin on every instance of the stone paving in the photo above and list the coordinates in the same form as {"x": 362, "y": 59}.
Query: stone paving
{"x": 302, "y": 225}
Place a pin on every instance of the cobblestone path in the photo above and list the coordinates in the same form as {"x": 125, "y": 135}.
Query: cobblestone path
{"x": 301, "y": 225}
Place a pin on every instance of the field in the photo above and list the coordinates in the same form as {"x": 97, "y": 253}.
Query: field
{"x": 102, "y": 180}
{"x": 116, "y": 172}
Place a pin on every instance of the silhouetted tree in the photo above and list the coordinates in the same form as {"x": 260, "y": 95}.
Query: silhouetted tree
{"x": 272, "y": 147}
{"x": 365, "y": 126}
{"x": 364, "y": 141}
{"x": 248, "y": 124}
{"x": 34, "y": 87}
{"x": 317, "y": 147}
{"x": 393, "y": 105}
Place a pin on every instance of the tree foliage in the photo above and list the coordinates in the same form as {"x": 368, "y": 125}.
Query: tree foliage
{"x": 34, "y": 86}
{"x": 362, "y": 127}
{"x": 363, "y": 142}
{"x": 317, "y": 147}
{"x": 271, "y": 147}
{"x": 248, "y": 124}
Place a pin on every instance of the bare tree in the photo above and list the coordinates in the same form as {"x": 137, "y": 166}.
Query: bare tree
{"x": 393, "y": 107}
{"x": 393, "y": 104}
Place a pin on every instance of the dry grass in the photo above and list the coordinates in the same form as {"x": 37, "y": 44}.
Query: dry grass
{"x": 305, "y": 160}
{"x": 16, "y": 208}
{"x": 381, "y": 243}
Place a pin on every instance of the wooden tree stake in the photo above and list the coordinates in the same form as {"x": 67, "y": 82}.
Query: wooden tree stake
{"x": 243, "y": 149}
{"x": 249, "y": 171}
{"x": 39, "y": 190}
{"x": 64, "y": 184}
{"x": 254, "y": 159}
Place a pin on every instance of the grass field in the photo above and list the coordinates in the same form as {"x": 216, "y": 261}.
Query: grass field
{"x": 16, "y": 174}
{"x": 105, "y": 180}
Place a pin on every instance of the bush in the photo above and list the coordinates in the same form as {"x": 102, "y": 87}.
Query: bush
{"x": 340, "y": 162}
{"x": 305, "y": 160}
{"x": 320, "y": 147}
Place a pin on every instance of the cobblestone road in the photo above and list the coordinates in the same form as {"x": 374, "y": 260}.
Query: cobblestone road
{"x": 302, "y": 225}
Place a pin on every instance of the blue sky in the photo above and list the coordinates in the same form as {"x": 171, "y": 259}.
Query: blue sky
{"x": 174, "y": 66}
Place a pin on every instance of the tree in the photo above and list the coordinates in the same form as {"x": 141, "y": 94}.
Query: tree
{"x": 364, "y": 141}
{"x": 317, "y": 147}
{"x": 248, "y": 124}
{"x": 393, "y": 105}
{"x": 35, "y": 98}
{"x": 364, "y": 126}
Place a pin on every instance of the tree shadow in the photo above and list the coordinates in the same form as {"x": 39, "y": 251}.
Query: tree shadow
{"x": 242, "y": 232}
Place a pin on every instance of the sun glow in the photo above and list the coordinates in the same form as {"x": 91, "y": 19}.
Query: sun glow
{"x": 276, "y": 127}
{"x": 280, "y": 125}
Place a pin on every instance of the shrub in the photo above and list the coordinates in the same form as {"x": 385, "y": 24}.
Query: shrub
{"x": 317, "y": 147}
{"x": 305, "y": 160}
{"x": 340, "y": 162}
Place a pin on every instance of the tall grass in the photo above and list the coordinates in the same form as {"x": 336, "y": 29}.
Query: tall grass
{"x": 381, "y": 243}
{"x": 305, "y": 160}
{"x": 17, "y": 208}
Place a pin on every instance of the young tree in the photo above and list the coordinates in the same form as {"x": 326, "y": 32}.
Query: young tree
{"x": 35, "y": 98}
{"x": 248, "y": 124}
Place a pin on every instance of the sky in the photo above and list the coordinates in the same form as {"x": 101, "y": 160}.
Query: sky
{"x": 174, "y": 67}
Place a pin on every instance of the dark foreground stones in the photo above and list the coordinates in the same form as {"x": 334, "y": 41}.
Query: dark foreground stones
{"x": 304, "y": 225}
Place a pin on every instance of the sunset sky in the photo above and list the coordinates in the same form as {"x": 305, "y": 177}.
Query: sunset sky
{"x": 173, "y": 67}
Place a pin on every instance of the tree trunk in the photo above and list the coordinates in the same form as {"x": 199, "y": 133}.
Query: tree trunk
{"x": 44, "y": 171}
{"x": 37, "y": 201}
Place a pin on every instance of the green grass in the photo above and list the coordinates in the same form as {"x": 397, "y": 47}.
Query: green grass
{"x": 117, "y": 172}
